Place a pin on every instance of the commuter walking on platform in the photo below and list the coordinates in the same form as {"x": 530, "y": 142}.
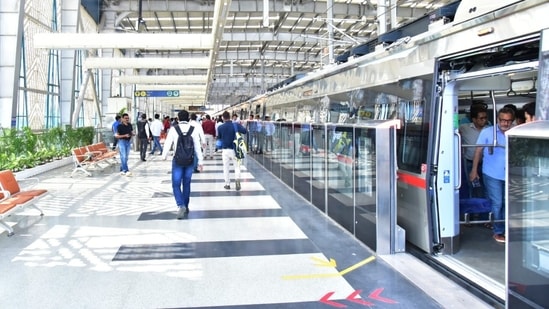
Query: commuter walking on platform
{"x": 124, "y": 133}
{"x": 182, "y": 175}
{"x": 227, "y": 135}
{"x": 114, "y": 130}
{"x": 198, "y": 128}
{"x": 143, "y": 134}
{"x": 493, "y": 167}
{"x": 156, "y": 130}
{"x": 208, "y": 126}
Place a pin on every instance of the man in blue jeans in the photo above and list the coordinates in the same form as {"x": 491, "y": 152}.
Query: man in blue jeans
{"x": 182, "y": 175}
{"x": 124, "y": 133}
{"x": 493, "y": 167}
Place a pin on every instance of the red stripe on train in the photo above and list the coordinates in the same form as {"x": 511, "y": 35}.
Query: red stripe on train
{"x": 412, "y": 180}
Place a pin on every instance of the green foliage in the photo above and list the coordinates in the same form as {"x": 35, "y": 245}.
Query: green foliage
{"x": 26, "y": 149}
{"x": 122, "y": 111}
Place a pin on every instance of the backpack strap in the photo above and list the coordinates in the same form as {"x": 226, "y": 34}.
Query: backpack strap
{"x": 235, "y": 130}
{"x": 178, "y": 129}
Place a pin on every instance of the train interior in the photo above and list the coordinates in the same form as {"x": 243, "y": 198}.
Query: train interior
{"x": 487, "y": 81}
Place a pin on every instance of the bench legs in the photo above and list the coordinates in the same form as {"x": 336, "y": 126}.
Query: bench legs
{"x": 7, "y": 227}
{"x": 81, "y": 169}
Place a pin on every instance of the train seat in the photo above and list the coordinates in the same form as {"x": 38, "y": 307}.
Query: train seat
{"x": 473, "y": 210}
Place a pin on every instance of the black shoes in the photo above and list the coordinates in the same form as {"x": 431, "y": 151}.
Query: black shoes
{"x": 227, "y": 187}
{"x": 238, "y": 185}
{"x": 181, "y": 212}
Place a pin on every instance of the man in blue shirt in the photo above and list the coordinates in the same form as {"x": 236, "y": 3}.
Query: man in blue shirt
{"x": 493, "y": 167}
{"x": 226, "y": 133}
{"x": 115, "y": 130}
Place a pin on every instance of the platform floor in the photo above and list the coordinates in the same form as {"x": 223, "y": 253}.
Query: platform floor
{"x": 111, "y": 241}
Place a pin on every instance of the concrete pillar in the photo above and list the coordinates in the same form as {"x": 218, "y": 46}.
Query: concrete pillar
{"x": 11, "y": 33}
{"x": 70, "y": 18}
{"x": 106, "y": 74}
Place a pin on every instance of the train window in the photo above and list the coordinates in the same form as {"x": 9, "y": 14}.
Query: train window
{"x": 407, "y": 101}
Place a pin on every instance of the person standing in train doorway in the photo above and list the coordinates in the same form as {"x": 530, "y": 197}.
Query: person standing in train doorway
{"x": 469, "y": 136}
{"x": 493, "y": 167}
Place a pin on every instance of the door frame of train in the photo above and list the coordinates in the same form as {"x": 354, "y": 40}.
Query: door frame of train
{"x": 447, "y": 182}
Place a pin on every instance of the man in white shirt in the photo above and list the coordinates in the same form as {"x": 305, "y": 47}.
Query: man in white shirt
{"x": 198, "y": 128}
{"x": 156, "y": 130}
{"x": 182, "y": 175}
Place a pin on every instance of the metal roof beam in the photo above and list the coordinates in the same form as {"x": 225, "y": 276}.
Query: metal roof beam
{"x": 161, "y": 79}
{"x": 156, "y": 41}
{"x": 254, "y": 6}
{"x": 268, "y": 55}
{"x": 182, "y": 87}
{"x": 139, "y": 63}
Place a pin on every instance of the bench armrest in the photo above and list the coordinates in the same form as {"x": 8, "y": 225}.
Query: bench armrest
{"x": 28, "y": 182}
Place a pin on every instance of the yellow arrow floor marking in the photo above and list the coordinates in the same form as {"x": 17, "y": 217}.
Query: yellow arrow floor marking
{"x": 324, "y": 263}
{"x": 341, "y": 273}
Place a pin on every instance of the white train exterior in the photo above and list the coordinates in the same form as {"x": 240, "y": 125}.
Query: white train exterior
{"x": 490, "y": 52}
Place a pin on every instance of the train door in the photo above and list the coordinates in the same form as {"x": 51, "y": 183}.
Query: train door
{"x": 470, "y": 247}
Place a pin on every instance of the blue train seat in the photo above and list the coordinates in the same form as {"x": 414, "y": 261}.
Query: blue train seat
{"x": 473, "y": 210}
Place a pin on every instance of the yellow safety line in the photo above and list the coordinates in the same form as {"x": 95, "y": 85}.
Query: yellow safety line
{"x": 341, "y": 273}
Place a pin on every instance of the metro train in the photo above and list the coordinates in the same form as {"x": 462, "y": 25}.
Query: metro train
{"x": 490, "y": 52}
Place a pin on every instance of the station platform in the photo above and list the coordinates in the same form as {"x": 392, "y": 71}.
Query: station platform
{"x": 111, "y": 241}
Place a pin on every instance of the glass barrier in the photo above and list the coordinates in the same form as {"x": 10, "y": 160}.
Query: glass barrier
{"x": 528, "y": 215}
{"x": 334, "y": 166}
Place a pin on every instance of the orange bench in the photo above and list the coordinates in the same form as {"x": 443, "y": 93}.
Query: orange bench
{"x": 91, "y": 156}
{"x": 101, "y": 152}
{"x": 13, "y": 198}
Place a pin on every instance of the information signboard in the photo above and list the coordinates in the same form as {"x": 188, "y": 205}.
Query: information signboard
{"x": 156, "y": 93}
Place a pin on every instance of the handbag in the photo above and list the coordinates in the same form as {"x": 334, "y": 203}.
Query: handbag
{"x": 218, "y": 144}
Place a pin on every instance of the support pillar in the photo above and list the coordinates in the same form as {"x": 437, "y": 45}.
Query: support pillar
{"x": 70, "y": 18}
{"x": 11, "y": 34}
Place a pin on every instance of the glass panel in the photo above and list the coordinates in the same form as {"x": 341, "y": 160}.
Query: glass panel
{"x": 287, "y": 154}
{"x": 277, "y": 153}
{"x": 318, "y": 167}
{"x": 302, "y": 171}
{"x": 340, "y": 160}
{"x": 268, "y": 143}
{"x": 365, "y": 180}
{"x": 528, "y": 236}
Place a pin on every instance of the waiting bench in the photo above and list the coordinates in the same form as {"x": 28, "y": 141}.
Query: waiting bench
{"x": 92, "y": 156}
{"x": 13, "y": 198}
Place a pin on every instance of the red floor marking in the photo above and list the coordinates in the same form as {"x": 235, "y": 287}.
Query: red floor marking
{"x": 375, "y": 295}
{"x": 325, "y": 299}
{"x": 353, "y": 298}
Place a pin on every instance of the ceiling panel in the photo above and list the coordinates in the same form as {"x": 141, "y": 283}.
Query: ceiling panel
{"x": 252, "y": 55}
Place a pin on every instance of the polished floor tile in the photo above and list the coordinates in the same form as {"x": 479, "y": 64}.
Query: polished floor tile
{"x": 111, "y": 241}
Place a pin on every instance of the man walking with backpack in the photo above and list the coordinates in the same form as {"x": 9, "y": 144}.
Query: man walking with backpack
{"x": 227, "y": 134}
{"x": 186, "y": 143}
